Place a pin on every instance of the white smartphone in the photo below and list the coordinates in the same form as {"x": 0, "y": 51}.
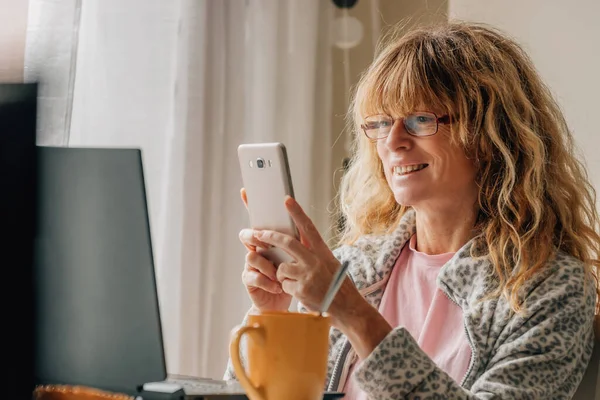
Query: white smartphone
{"x": 267, "y": 179}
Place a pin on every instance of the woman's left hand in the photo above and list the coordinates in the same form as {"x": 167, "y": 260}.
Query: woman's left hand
{"x": 309, "y": 276}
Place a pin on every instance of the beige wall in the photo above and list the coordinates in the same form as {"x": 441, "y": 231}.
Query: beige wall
{"x": 562, "y": 38}
{"x": 13, "y": 25}
{"x": 390, "y": 12}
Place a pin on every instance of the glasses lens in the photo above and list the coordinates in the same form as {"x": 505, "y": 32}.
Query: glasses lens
{"x": 421, "y": 124}
{"x": 378, "y": 126}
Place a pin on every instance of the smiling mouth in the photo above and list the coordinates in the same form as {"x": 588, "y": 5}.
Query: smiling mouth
{"x": 408, "y": 169}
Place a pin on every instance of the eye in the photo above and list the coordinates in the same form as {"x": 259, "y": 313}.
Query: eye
{"x": 378, "y": 123}
{"x": 421, "y": 124}
{"x": 421, "y": 119}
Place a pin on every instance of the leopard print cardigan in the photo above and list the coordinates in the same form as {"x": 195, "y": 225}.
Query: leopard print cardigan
{"x": 540, "y": 353}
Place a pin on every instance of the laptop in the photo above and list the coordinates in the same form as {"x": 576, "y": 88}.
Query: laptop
{"x": 98, "y": 320}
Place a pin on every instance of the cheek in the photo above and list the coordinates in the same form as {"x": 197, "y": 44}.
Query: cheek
{"x": 463, "y": 165}
{"x": 450, "y": 159}
{"x": 444, "y": 162}
{"x": 384, "y": 157}
{"x": 458, "y": 167}
{"x": 381, "y": 152}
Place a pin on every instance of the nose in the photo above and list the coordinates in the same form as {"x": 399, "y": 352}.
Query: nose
{"x": 399, "y": 138}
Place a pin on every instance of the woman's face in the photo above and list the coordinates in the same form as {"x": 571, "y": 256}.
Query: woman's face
{"x": 427, "y": 171}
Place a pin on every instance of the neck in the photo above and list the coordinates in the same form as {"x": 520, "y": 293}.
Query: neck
{"x": 444, "y": 230}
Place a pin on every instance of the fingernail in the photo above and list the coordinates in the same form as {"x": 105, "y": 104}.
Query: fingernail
{"x": 278, "y": 290}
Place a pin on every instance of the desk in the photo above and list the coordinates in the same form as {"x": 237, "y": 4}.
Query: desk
{"x": 168, "y": 390}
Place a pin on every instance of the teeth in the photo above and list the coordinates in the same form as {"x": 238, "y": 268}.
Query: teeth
{"x": 403, "y": 170}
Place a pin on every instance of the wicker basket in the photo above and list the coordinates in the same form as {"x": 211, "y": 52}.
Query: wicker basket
{"x": 66, "y": 392}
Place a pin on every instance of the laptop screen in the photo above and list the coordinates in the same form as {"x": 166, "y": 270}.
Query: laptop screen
{"x": 98, "y": 320}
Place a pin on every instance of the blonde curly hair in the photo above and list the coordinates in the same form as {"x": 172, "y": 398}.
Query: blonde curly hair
{"x": 535, "y": 197}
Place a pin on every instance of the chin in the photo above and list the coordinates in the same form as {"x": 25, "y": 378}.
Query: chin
{"x": 408, "y": 201}
{"x": 409, "y": 198}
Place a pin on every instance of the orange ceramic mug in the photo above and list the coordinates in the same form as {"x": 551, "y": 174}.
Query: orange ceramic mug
{"x": 286, "y": 355}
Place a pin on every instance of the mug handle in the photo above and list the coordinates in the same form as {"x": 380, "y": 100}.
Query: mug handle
{"x": 234, "y": 352}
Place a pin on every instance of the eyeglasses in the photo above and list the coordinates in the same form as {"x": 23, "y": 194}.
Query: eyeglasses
{"x": 418, "y": 124}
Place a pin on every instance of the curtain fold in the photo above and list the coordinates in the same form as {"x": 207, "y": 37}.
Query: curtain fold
{"x": 50, "y": 57}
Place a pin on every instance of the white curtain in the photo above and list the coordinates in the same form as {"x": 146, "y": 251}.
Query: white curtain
{"x": 50, "y": 55}
{"x": 188, "y": 81}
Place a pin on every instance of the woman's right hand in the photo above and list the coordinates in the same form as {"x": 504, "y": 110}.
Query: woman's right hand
{"x": 260, "y": 275}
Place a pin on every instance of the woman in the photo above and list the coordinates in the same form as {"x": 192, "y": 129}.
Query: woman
{"x": 470, "y": 231}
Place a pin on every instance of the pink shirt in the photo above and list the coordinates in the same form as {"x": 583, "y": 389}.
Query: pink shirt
{"x": 412, "y": 299}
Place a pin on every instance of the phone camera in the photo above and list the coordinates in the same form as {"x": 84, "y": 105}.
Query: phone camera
{"x": 260, "y": 163}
